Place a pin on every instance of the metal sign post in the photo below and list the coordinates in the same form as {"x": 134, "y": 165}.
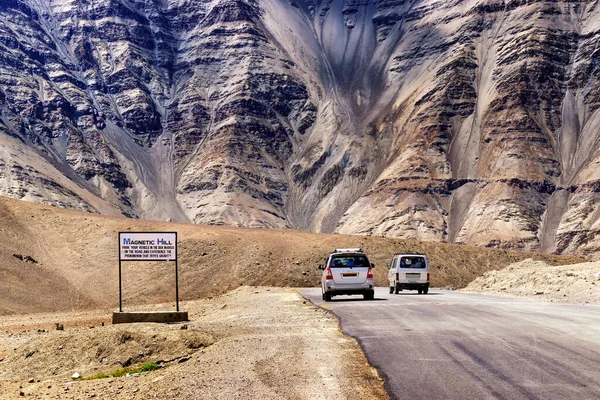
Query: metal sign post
{"x": 120, "y": 289}
{"x": 176, "y": 287}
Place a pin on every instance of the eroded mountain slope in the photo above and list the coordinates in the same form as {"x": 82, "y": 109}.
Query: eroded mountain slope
{"x": 463, "y": 121}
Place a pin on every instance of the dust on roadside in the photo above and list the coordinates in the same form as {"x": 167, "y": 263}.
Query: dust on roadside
{"x": 535, "y": 280}
{"x": 250, "y": 343}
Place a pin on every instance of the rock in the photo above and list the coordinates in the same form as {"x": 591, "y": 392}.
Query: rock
{"x": 184, "y": 326}
{"x": 126, "y": 363}
{"x": 183, "y": 359}
{"x": 27, "y": 259}
{"x": 569, "y": 273}
{"x": 31, "y": 380}
{"x": 538, "y": 292}
{"x": 60, "y": 327}
{"x": 597, "y": 276}
{"x": 75, "y": 375}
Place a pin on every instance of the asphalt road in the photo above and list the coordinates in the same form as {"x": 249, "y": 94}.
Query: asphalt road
{"x": 451, "y": 345}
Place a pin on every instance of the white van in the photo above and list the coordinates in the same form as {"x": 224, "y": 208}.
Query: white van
{"x": 409, "y": 271}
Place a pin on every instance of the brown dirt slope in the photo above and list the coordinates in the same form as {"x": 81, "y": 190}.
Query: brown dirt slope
{"x": 76, "y": 260}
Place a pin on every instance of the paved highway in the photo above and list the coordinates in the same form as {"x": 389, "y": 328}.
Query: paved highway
{"x": 451, "y": 345}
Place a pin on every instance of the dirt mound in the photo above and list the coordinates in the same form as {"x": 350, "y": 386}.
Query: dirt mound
{"x": 573, "y": 284}
{"x": 100, "y": 350}
{"x": 76, "y": 258}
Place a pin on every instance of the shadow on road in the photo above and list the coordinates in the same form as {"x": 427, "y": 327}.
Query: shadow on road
{"x": 417, "y": 294}
{"x": 339, "y": 300}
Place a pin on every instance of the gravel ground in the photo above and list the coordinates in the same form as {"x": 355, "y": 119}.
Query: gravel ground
{"x": 251, "y": 343}
{"x": 536, "y": 280}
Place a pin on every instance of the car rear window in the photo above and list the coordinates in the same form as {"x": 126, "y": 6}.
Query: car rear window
{"x": 412, "y": 262}
{"x": 347, "y": 261}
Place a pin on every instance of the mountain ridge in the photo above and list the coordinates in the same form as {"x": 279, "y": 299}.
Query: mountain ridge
{"x": 469, "y": 122}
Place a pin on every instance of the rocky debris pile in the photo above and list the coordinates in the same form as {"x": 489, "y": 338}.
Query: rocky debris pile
{"x": 572, "y": 284}
{"x": 90, "y": 352}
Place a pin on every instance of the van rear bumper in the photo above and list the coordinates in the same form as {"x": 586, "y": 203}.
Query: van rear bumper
{"x": 412, "y": 285}
{"x": 339, "y": 292}
{"x": 336, "y": 290}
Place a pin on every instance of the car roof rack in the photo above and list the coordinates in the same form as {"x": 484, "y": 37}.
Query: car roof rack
{"x": 350, "y": 250}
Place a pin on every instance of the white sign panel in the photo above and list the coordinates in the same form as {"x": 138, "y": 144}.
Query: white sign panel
{"x": 147, "y": 246}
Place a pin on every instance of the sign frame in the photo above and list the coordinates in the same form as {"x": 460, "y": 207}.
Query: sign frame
{"x": 167, "y": 259}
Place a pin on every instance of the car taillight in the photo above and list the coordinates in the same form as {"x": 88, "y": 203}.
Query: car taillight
{"x": 397, "y": 277}
{"x": 428, "y": 277}
{"x": 370, "y": 274}
{"x": 329, "y": 275}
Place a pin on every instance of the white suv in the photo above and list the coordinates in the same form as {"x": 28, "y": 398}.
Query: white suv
{"x": 409, "y": 271}
{"x": 347, "y": 271}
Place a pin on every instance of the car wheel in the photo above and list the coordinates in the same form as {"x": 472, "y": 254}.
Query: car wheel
{"x": 327, "y": 296}
{"x": 420, "y": 291}
{"x": 425, "y": 290}
{"x": 369, "y": 295}
{"x": 322, "y": 295}
{"x": 391, "y": 289}
{"x": 397, "y": 289}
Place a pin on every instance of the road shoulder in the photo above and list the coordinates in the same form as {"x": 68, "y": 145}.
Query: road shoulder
{"x": 249, "y": 343}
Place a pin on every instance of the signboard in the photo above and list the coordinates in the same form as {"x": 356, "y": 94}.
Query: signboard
{"x": 147, "y": 246}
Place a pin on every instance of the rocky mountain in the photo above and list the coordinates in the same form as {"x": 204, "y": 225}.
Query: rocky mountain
{"x": 466, "y": 121}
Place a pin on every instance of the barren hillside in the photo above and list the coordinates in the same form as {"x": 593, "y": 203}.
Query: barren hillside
{"x": 54, "y": 259}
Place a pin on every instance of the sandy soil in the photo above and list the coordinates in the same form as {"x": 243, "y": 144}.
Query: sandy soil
{"x": 536, "y": 280}
{"x": 254, "y": 342}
